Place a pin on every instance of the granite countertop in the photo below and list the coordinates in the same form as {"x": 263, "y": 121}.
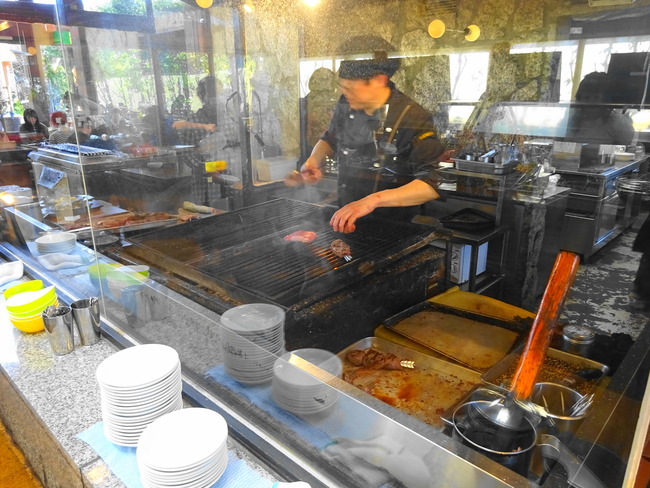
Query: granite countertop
{"x": 64, "y": 393}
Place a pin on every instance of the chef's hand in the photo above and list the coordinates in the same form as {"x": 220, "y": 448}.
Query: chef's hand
{"x": 310, "y": 171}
{"x": 345, "y": 218}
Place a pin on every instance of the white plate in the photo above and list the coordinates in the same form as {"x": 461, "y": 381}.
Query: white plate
{"x": 56, "y": 238}
{"x": 182, "y": 438}
{"x": 133, "y": 421}
{"x": 136, "y": 403}
{"x": 128, "y": 410}
{"x": 127, "y": 393}
{"x": 137, "y": 366}
{"x": 287, "y": 367}
{"x": 253, "y": 317}
{"x": 213, "y": 464}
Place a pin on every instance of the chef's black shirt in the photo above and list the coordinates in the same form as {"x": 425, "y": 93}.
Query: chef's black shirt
{"x": 374, "y": 156}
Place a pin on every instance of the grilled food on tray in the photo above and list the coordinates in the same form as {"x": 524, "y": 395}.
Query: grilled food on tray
{"x": 374, "y": 359}
{"x": 202, "y": 209}
{"x": 341, "y": 249}
{"x": 425, "y": 393}
{"x": 122, "y": 219}
{"x": 305, "y": 236}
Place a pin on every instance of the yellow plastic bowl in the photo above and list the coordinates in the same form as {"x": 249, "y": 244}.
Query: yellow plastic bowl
{"x": 33, "y": 285}
{"x": 29, "y": 303}
{"x": 29, "y": 324}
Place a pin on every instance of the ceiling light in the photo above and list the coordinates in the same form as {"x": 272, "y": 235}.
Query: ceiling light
{"x": 204, "y": 3}
{"x": 472, "y": 32}
{"x": 4, "y": 25}
{"x": 311, "y": 3}
{"x": 437, "y": 28}
{"x": 248, "y": 6}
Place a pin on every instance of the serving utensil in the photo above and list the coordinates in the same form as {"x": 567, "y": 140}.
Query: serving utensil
{"x": 581, "y": 407}
{"x": 510, "y": 416}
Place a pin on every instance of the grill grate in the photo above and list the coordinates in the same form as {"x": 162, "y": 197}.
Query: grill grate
{"x": 246, "y": 249}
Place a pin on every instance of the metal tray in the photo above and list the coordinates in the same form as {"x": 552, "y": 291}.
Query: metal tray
{"x": 424, "y": 392}
{"x": 468, "y": 220}
{"x": 571, "y": 378}
{"x": 519, "y": 327}
{"x": 485, "y": 168}
{"x": 84, "y": 232}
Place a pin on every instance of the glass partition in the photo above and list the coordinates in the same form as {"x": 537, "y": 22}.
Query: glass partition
{"x": 171, "y": 127}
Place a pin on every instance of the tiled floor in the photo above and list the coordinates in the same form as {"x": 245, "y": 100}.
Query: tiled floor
{"x": 14, "y": 472}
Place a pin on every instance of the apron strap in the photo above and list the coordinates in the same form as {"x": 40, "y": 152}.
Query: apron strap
{"x": 389, "y": 141}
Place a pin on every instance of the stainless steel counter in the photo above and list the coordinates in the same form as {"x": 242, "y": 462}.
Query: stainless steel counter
{"x": 286, "y": 443}
{"x": 596, "y": 214}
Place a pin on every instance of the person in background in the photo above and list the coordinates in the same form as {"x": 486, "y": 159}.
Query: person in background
{"x": 61, "y": 133}
{"x": 385, "y": 145}
{"x": 319, "y": 103}
{"x": 157, "y": 124}
{"x": 84, "y": 136}
{"x": 591, "y": 120}
{"x": 204, "y": 121}
{"x": 32, "y": 127}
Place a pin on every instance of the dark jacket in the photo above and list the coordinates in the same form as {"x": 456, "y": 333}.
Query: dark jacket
{"x": 642, "y": 241}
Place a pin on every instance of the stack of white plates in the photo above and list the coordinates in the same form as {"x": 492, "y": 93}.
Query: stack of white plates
{"x": 252, "y": 337}
{"x": 300, "y": 392}
{"x": 138, "y": 385}
{"x": 57, "y": 242}
{"x": 185, "y": 448}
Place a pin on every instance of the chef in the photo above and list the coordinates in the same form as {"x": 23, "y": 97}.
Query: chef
{"x": 384, "y": 143}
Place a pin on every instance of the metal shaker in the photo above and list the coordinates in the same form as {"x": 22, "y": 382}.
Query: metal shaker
{"x": 577, "y": 340}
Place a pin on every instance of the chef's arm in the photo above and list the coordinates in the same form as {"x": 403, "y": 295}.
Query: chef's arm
{"x": 416, "y": 192}
{"x": 311, "y": 170}
{"x": 185, "y": 124}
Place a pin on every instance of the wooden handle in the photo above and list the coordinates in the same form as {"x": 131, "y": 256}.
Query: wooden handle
{"x": 541, "y": 332}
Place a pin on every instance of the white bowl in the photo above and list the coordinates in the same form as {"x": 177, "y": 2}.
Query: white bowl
{"x": 57, "y": 238}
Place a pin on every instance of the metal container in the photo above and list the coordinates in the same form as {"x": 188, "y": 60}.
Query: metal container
{"x": 557, "y": 400}
{"x": 575, "y": 378}
{"x": 87, "y": 317}
{"x": 577, "y": 340}
{"x": 477, "y": 425}
{"x": 59, "y": 329}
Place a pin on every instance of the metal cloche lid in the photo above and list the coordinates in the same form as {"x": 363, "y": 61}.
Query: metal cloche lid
{"x": 579, "y": 334}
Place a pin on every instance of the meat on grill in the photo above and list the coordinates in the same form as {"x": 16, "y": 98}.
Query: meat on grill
{"x": 373, "y": 359}
{"x": 340, "y": 248}
{"x": 305, "y": 236}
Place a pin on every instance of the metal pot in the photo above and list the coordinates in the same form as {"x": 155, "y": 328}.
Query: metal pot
{"x": 479, "y": 425}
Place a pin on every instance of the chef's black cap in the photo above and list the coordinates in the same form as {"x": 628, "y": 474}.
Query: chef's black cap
{"x": 364, "y": 69}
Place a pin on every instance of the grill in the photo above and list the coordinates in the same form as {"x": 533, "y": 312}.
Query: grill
{"x": 242, "y": 257}
{"x": 244, "y": 252}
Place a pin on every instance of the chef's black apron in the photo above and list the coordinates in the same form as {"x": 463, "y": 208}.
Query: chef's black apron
{"x": 368, "y": 162}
